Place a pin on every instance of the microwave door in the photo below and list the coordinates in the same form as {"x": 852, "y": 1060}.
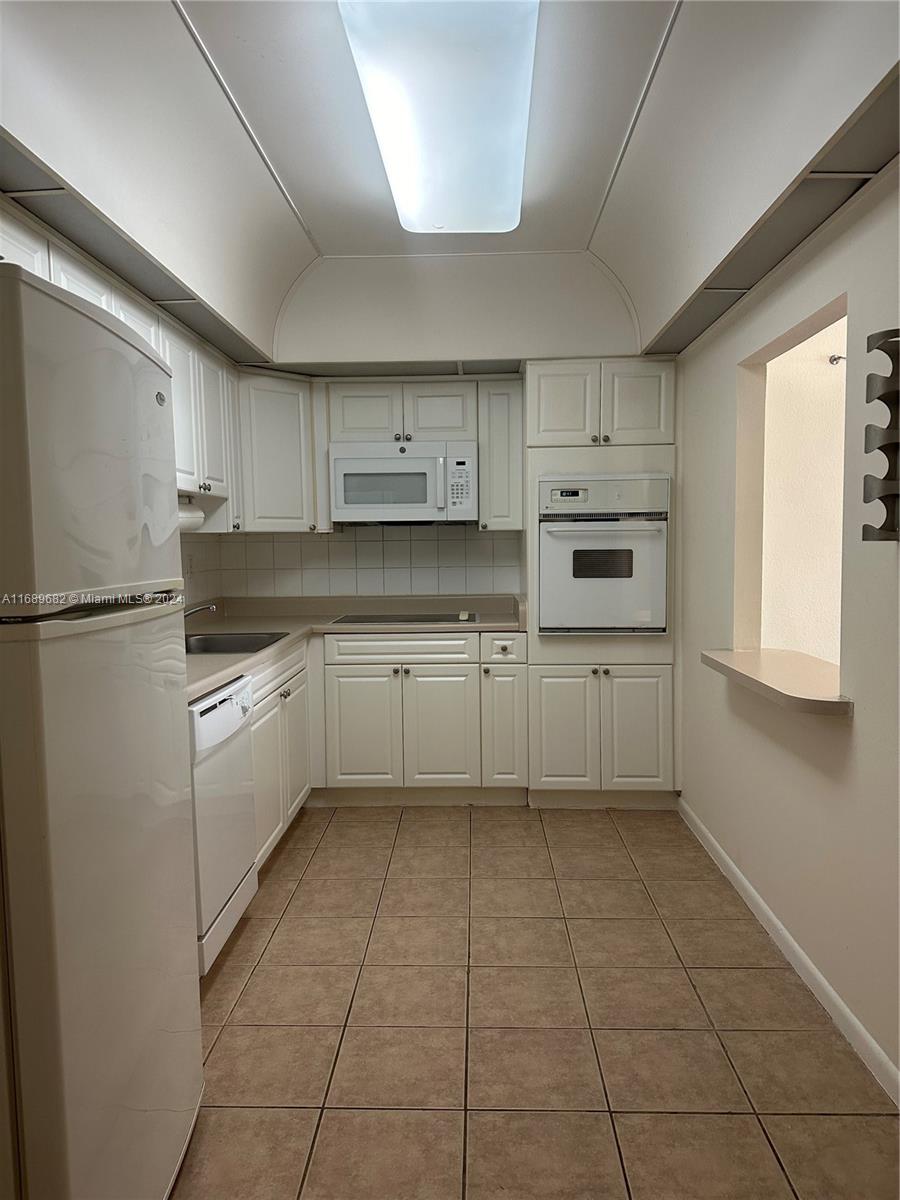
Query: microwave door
{"x": 605, "y": 577}
{"x": 387, "y": 489}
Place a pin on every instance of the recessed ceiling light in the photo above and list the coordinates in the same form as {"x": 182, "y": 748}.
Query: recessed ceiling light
{"x": 448, "y": 87}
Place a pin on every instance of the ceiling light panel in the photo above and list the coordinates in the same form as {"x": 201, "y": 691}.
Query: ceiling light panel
{"x": 448, "y": 88}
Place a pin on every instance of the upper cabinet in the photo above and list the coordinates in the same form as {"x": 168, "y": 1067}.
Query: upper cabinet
{"x": 365, "y": 412}
{"x": 395, "y": 412}
{"x": 139, "y": 317}
{"x": 213, "y": 401}
{"x": 500, "y": 455}
{"x": 179, "y": 352}
{"x": 276, "y": 455}
{"x": 440, "y": 411}
{"x": 21, "y": 245}
{"x": 585, "y": 402}
{"x": 81, "y": 280}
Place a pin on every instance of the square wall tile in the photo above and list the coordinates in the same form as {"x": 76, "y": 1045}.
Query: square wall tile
{"x": 396, "y": 554}
{"x": 506, "y": 579}
{"x": 342, "y": 583}
{"x": 451, "y": 580}
{"x": 234, "y": 583}
{"x": 480, "y": 551}
{"x": 397, "y": 581}
{"x": 450, "y": 532}
{"x": 316, "y": 582}
{"x": 288, "y": 583}
{"x": 423, "y": 533}
{"x": 368, "y": 533}
{"x": 314, "y": 552}
{"x": 260, "y": 555}
{"x": 369, "y": 554}
{"x": 423, "y": 554}
{"x": 479, "y": 579}
{"x": 261, "y": 583}
{"x": 370, "y": 583}
{"x": 232, "y": 553}
{"x": 395, "y": 533}
{"x": 451, "y": 554}
{"x": 424, "y": 581}
{"x": 341, "y": 555}
{"x": 287, "y": 555}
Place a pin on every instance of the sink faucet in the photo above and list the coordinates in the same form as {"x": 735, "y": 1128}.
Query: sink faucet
{"x": 189, "y": 612}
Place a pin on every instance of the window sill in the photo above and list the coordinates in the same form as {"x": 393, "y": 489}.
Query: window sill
{"x": 788, "y": 678}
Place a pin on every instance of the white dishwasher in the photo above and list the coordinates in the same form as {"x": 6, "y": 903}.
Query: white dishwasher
{"x": 224, "y": 817}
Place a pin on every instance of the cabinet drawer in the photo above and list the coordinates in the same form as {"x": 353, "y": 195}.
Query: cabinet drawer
{"x": 274, "y": 674}
{"x": 504, "y": 647}
{"x": 400, "y": 648}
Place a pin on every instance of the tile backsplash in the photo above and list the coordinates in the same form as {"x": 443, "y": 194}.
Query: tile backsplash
{"x": 360, "y": 560}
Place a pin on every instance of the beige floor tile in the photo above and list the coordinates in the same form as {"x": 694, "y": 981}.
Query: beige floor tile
{"x": 648, "y": 820}
{"x": 710, "y": 899}
{"x": 219, "y": 990}
{"x": 247, "y": 941}
{"x": 592, "y": 862}
{"x": 335, "y": 898}
{"x": 520, "y": 942}
{"x": 412, "y": 996}
{"x": 368, "y": 812}
{"x": 808, "y": 1071}
{"x": 666, "y": 836}
{"x": 608, "y": 942}
{"x": 208, "y": 1035}
{"x": 515, "y": 898}
{"x": 287, "y": 862}
{"x": 542, "y": 1156}
{"x": 513, "y": 814}
{"x": 348, "y": 862}
{"x": 641, "y": 998}
{"x": 307, "y": 828}
{"x": 667, "y": 1070}
{"x": 534, "y": 1069}
{"x": 724, "y": 944}
{"x": 365, "y": 835}
{"x": 524, "y": 862}
{"x": 237, "y": 1153}
{"x": 419, "y": 941}
{"x": 425, "y": 898}
{"x": 525, "y": 997}
{"x": 430, "y": 862}
{"x": 274, "y": 1066}
{"x": 673, "y": 862}
{"x": 605, "y": 898}
{"x": 438, "y": 834}
{"x": 400, "y": 1068}
{"x": 838, "y": 1158}
{"x": 694, "y": 1157}
{"x": 758, "y": 999}
{"x": 296, "y": 996}
{"x": 272, "y": 898}
{"x": 318, "y": 941}
{"x": 513, "y": 834}
{"x": 568, "y": 827}
{"x": 385, "y": 1155}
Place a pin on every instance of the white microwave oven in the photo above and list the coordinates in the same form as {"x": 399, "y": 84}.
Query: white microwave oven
{"x": 422, "y": 481}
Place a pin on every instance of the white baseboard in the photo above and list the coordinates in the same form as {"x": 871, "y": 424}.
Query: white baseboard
{"x": 856, "y": 1034}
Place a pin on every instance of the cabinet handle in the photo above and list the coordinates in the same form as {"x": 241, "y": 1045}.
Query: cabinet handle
{"x": 160, "y": 399}
{"x": 235, "y": 525}
{"x": 606, "y": 437}
{"x": 487, "y": 670}
{"x": 595, "y": 670}
{"x": 595, "y": 437}
{"x": 397, "y": 437}
{"x": 312, "y": 528}
{"x": 406, "y": 670}
{"x": 484, "y": 524}
{"x": 606, "y": 670}
{"x": 408, "y": 438}
{"x": 284, "y": 693}
{"x": 396, "y": 670}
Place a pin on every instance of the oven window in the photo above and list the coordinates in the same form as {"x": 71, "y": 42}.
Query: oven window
{"x": 370, "y": 489}
{"x": 602, "y": 564}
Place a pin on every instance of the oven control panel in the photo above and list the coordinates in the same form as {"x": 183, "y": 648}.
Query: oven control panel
{"x": 604, "y": 494}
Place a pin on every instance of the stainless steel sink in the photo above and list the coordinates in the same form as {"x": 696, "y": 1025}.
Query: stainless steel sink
{"x": 230, "y": 643}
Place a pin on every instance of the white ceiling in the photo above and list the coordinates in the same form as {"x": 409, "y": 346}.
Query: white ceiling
{"x": 288, "y": 65}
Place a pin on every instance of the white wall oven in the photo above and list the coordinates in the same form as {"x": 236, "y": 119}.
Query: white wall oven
{"x": 425, "y": 481}
{"x": 603, "y": 547}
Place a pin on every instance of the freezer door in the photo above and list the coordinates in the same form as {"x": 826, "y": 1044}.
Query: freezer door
{"x": 88, "y": 499}
{"x": 98, "y": 857}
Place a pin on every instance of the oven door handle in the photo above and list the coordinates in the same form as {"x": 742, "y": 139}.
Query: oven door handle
{"x": 595, "y": 531}
{"x": 440, "y": 481}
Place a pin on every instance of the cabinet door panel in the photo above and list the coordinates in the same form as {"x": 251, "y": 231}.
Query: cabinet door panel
{"x": 564, "y": 727}
{"x": 268, "y": 775}
{"x": 79, "y": 279}
{"x": 563, "y": 403}
{"x": 501, "y": 455}
{"x": 276, "y": 455}
{"x": 213, "y": 423}
{"x": 638, "y": 405}
{"x": 504, "y": 726}
{"x": 139, "y": 317}
{"x": 235, "y": 519}
{"x": 365, "y": 412}
{"x": 179, "y": 353}
{"x": 636, "y": 728}
{"x": 363, "y": 727}
{"x": 433, "y": 411}
{"x": 21, "y": 245}
{"x": 295, "y": 713}
{"x": 441, "y": 726}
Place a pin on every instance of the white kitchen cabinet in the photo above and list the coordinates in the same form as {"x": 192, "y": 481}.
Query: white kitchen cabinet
{"x": 276, "y": 455}
{"x": 563, "y": 403}
{"x": 501, "y": 455}
{"x": 441, "y": 726}
{"x": 363, "y": 726}
{"x": 365, "y": 412}
{"x": 81, "y": 280}
{"x": 212, "y": 396}
{"x": 139, "y": 317}
{"x": 435, "y": 412}
{"x": 564, "y": 727}
{"x": 235, "y": 483}
{"x": 295, "y": 718}
{"x": 637, "y": 402}
{"x": 504, "y": 726}
{"x": 21, "y": 245}
{"x": 268, "y": 774}
{"x": 636, "y": 728}
{"x": 179, "y": 352}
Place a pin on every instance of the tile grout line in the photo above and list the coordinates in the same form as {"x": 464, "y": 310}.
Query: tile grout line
{"x": 337, "y": 1051}
{"x": 465, "y": 1122}
{"x": 712, "y": 1023}
{"x": 587, "y": 1015}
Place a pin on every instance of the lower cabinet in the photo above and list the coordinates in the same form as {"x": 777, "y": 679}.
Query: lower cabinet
{"x": 504, "y": 726}
{"x": 363, "y": 726}
{"x": 441, "y": 727}
{"x": 281, "y": 779}
{"x": 636, "y": 730}
{"x": 564, "y": 727}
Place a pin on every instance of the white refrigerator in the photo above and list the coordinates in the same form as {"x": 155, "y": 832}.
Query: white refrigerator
{"x": 100, "y": 1059}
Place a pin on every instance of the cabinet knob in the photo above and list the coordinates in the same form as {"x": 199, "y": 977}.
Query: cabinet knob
{"x": 408, "y": 437}
{"x": 606, "y": 670}
{"x": 235, "y": 525}
{"x": 396, "y": 670}
{"x": 406, "y": 670}
{"x": 284, "y": 693}
{"x": 487, "y": 670}
{"x": 160, "y": 399}
{"x": 484, "y": 524}
{"x": 595, "y": 437}
{"x": 504, "y": 649}
{"x": 606, "y": 437}
{"x": 397, "y": 437}
{"x": 312, "y": 528}
{"x": 595, "y": 670}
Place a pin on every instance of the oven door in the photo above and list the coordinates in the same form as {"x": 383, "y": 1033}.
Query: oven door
{"x": 603, "y": 576}
{"x": 382, "y": 484}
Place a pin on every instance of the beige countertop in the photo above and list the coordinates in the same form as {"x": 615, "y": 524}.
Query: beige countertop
{"x": 301, "y": 618}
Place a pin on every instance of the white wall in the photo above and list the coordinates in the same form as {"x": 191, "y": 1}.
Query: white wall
{"x": 803, "y": 497}
{"x": 118, "y": 101}
{"x": 745, "y": 96}
{"x": 454, "y": 306}
{"x": 806, "y": 806}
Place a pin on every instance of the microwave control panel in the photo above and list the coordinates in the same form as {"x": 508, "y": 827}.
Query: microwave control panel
{"x": 462, "y": 483}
